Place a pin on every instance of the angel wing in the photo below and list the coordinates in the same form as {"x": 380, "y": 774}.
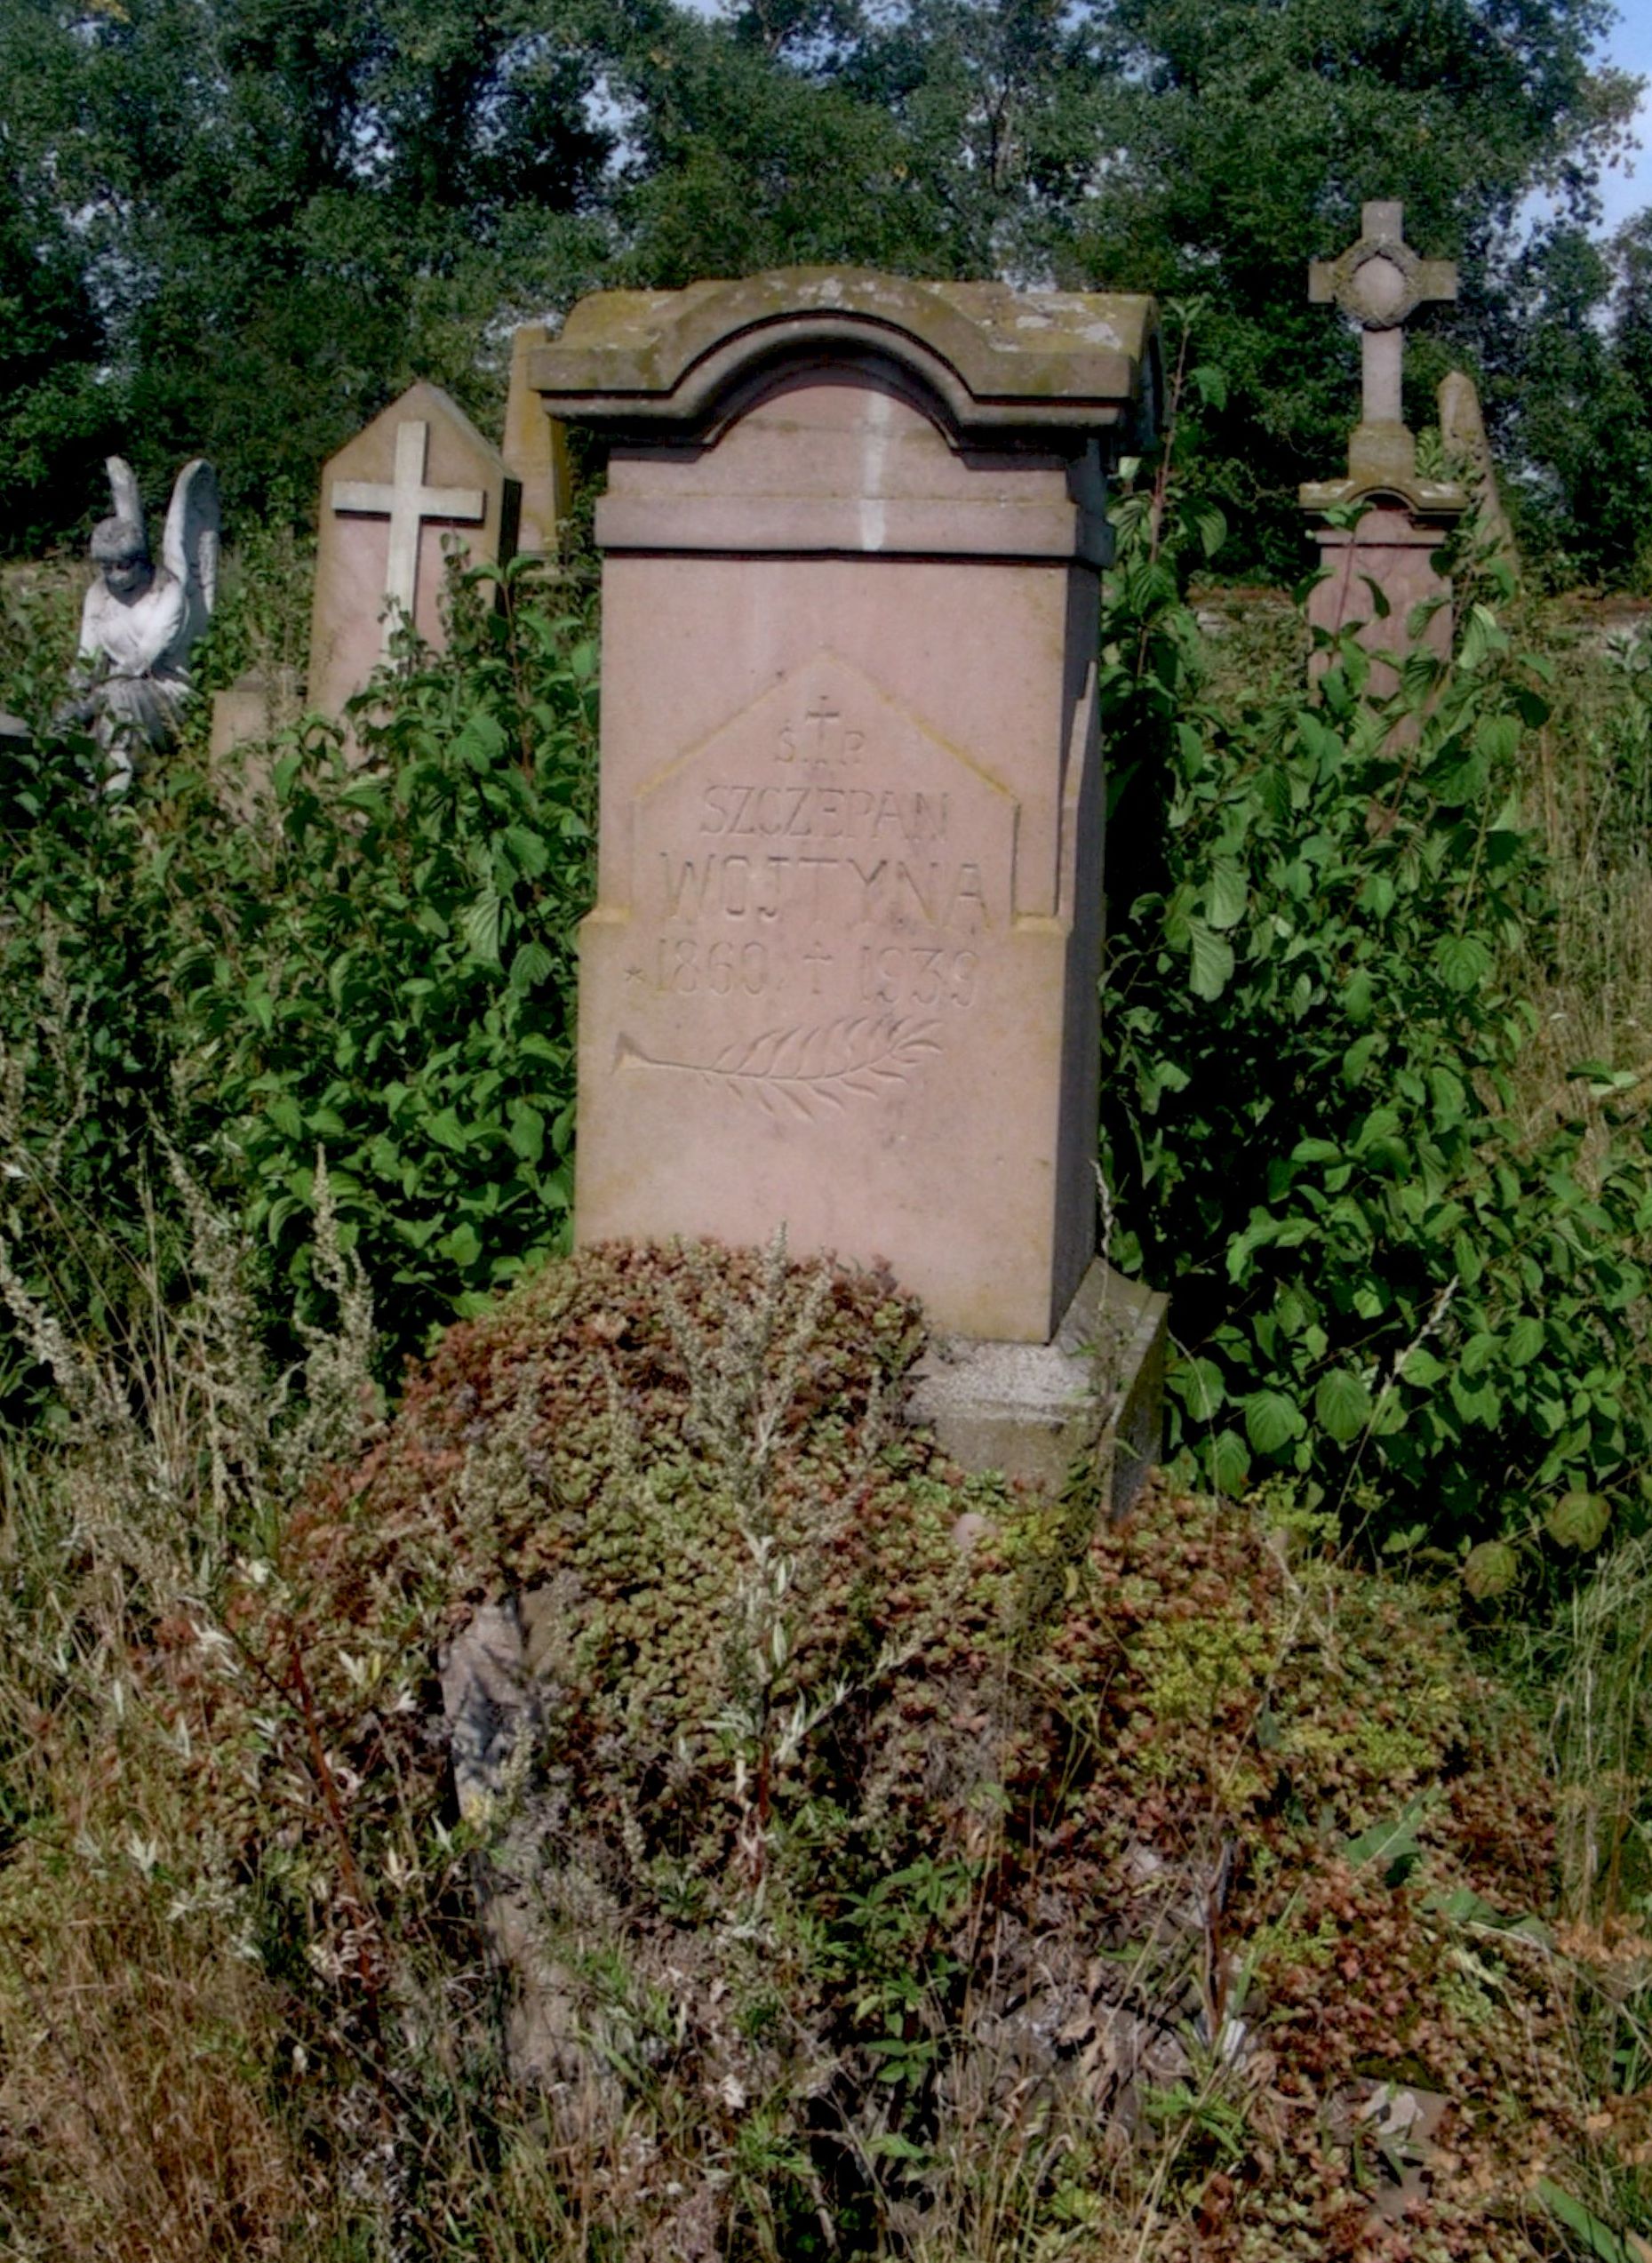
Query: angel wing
{"x": 189, "y": 547}
{"x": 128, "y": 504}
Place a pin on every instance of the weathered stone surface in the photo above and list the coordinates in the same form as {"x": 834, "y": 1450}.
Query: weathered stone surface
{"x": 994, "y": 358}
{"x": 139, "y": 622}
{"x": 418, "y": 479}
{"x": 1093, "y": 1396}
{"x": 1380, "y": 281}
{"x": 1464, "y": 442}
{"x": 842, "y": 972}
{"x": 492, "y": 1696}
{"x": 535, "y": 451}
{"x": 1387, "y": 547}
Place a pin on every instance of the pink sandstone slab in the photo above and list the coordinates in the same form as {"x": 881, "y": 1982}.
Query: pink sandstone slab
{"x": 842, "y": 974}
{"x": 535, "y": 450}
{"x": 1389, "y": 550}
{"x": 418, "y": 480}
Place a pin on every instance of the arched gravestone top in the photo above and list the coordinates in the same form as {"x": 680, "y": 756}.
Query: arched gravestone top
{"x": 1000, "y": 361}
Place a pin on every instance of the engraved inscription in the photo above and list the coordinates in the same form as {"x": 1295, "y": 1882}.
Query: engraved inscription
{"x": 897, "y": 976}
{"x": 823, "y": 812}
{"x": 823, "y": 889}
{"x": 685, "y": 965}
{"x": 804, "y": 1069}
{"x": 850, "y": 891}
{"x": 820, "y": 735}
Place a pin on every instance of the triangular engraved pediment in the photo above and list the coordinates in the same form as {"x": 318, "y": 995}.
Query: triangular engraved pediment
{"x": 827, "y": 719}
{"x": 825, "y": 814}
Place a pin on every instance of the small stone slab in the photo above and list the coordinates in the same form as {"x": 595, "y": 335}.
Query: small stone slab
{"x": 1034, "y": 1410}
{"x": 418, "y": 477}
{"x": 535, "y": 451}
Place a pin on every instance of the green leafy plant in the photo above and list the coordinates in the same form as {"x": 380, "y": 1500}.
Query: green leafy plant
{"x": 389, "y": 976}
{"x": 1387, "y": 1280}
{"x": 371, "y": 959}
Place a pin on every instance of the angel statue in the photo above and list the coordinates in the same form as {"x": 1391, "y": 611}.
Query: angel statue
{"x": 136, "y": 625}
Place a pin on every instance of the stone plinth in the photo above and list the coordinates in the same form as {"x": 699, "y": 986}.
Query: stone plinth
{"x": 842, "y": 974}
{"x": 1090, "y": 1400}
{"x": 418, "y": 478}
{"x": 1394, "y": 550}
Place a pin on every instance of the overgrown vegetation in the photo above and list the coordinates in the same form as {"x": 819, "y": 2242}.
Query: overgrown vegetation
{"x": 892, "y": 1865}
{"x": 1405, "y": 1269}
{"x": 884, "y": 1894}
{"x": 371, "y": 955}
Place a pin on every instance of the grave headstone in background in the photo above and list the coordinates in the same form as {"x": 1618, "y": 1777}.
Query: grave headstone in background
{"x": 1463, "y": 441}
{"x": 842, "y": 974}
{"x": 418, "y": 477}
{"x": 1380, "y": 281}
{"x": 535, "y": 451}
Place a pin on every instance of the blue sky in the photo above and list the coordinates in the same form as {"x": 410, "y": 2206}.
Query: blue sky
{"x": 1629, "y": 44}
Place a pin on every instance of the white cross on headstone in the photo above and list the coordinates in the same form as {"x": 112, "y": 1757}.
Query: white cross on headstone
{"x": 407, "y": 502}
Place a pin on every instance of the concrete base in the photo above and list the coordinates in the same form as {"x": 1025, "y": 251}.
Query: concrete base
{"x": 1035, "y": 1409}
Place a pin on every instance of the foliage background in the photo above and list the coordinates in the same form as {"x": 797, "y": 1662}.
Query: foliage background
{"x": 237, "y": 228}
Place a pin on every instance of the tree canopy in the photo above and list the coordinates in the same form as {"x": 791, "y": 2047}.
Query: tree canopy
{"x": 238, "y": 226}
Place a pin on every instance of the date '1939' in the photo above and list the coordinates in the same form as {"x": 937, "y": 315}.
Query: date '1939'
{"x": 909, "y": 974}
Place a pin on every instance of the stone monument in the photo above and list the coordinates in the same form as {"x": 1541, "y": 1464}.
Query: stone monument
{"x": 1380, "y": 281}
{"x": 842, "y": 973}
{"x": 418, "y": 478}
{"x": 1465, "y": 447}
{"x": 535, "y": 451}
{"x": 138, "y": 622}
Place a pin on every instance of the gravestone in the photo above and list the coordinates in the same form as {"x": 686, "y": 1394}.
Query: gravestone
{"x": 1465, "y": 447}
{"x": 842, "y": 973}
{"x": 1380, "y": 283}
{"x": 535, "y": 451}
{"x": 418, "y": 479}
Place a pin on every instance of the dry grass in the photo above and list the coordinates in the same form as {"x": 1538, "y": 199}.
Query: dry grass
{"x": 135, "y": 2098}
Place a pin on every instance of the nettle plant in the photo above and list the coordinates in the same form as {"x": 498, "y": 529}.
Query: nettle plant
{"x": 389, "y": 979}
{"x": 1389, "y": 1282}
{"x": 378, "y": 970}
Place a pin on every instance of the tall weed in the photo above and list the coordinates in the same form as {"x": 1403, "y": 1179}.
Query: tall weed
{"x": 387, "y": 970}
{"x": 374, "y": 960}
{"x": 1389, "y": 1279}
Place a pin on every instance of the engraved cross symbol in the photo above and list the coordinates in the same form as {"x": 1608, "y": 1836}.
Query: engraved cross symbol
{"x": 1381, "y": 282}
{"x": 822, "y": 715}
{"x": 407, "y": 502}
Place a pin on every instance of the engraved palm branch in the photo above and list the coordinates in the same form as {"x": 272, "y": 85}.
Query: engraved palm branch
{"x": 803, "y": 1068}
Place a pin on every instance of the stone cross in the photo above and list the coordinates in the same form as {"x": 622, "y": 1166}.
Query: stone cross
{"x": 406, "y": 501}
{"x": 1381, "y": 282}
